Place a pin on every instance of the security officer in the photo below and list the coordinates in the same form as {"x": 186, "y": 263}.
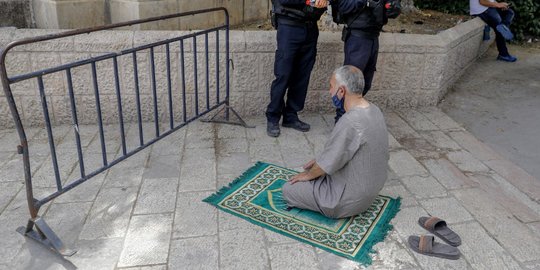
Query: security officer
{"x": 297, "y": 34}
{"x": 363, "y": 20}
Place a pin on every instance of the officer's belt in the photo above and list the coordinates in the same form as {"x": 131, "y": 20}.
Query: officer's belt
{"x": 286, "y": 21}
{"x": 362, "y": 33}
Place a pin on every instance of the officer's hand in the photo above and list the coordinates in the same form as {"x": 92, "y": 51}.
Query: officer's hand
{"x": 321, "y": 3}
{"x": 372, "y": 3}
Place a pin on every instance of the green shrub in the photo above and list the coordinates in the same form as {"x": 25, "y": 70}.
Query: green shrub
{"x": 526, "y": 23}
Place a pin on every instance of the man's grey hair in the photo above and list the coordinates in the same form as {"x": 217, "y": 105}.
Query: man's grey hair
{"x": 351, "y": 77}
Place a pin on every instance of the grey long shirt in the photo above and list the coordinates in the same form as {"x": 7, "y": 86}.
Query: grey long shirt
{"x": 355, "y": 159}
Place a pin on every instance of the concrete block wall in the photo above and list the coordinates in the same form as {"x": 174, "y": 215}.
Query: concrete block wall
{"x": 413, "y": 71}
{"x": 60, "y": 14}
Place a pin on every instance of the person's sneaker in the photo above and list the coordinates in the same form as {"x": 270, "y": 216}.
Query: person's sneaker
{"x": 298, "y": 125}
{"x": 505, "y": 31}
{"x": 272, "y": 129}
{"x": 508, "y": 58}
{"x": 487, "y": 29}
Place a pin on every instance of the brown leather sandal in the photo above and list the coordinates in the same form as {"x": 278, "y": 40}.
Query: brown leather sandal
{"x": 438, "y": 227}
{"x": 425, "y": 244}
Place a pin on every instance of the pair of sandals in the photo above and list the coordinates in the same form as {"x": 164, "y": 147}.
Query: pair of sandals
{"x": 426, "y": 245}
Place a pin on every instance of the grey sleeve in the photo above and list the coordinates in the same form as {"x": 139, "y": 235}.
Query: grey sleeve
{"x": 343, "y": 143}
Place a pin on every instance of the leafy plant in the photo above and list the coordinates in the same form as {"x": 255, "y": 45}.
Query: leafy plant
{"x": 526, "y": 22}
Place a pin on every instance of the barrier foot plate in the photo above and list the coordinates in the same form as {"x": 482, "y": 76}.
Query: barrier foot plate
{"x": 44, "y": 235}
{"x": 226, "y": 110}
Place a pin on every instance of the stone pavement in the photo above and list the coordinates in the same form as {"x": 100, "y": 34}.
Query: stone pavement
{"x": 146, "y": 212}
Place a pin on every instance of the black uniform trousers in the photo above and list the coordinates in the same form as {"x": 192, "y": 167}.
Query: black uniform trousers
{"x": 361, "y": 51}
{"x": 294, "y": 60}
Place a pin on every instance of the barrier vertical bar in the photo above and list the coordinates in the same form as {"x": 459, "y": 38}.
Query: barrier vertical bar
{"x": 49, "y": 131}
{"x": 99, "y": 116}
{"x": 119, "y": 103}
{"x": 75, "y": 121}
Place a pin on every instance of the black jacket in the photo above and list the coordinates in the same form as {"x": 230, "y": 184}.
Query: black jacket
{"x": 359, "y": 16}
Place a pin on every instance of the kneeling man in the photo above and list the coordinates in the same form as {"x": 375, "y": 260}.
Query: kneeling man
{"x": 347, "y": 176}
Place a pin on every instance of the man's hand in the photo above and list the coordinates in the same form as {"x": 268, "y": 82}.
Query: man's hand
{"x": 503, "y": 5}
{"x": 321, "y": 3}
{"x": 301, "y": 177}
{"x": 309, "y": 165}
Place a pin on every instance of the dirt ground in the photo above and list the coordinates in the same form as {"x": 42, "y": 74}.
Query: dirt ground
{"x": 420, "y": 22}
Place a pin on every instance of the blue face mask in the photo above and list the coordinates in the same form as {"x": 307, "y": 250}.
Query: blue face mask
{"x": 338, "y": 103}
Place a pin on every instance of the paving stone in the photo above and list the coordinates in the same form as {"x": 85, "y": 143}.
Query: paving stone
{"x": 16, "y": 215}
{"x": 317, "y": 142}
{"x": 330, "y": 261}
{"x": 172, "y": 145}
{"x": 398, "y": 127}
{"x": 147, "y": 240}
{"x": 8, "y": 191}
{"x": 233, "y": 163}
{"x": 258, "y": 136}
{"x": 127, "y": 173}
{"x": 154, "y": 267}
{"x": 197, "y": 170}
{"x": 193, "y": 217}
{"x": 403, "y": 164}
{"x": 194, "y": 253}
{"x": 417, "y": 120}
{"x": 399, "y": 191}
{"x": 393, "y": 144}
{"x": 230, "y": 131}
{"x": 448, "y": 209}
{"x": 439, "y": 118}
{"x": 229, "y": 222}
{"x": 482, "y": 251}
{"x": 440, "y": 140}
{"x": 162, "y": 167}
{"x": 534, "y": 265}
{"x": 277, "y": 239}
{"x": 509, "y": 232}
{"x": 447, "y": 174}
{"x": 226, "y": 146}
{"x": 296, "y": 157}
{"x": 406, "y": 222}
{"x": 269, "y": 153}
{"x": 199, "y": 135}
{"x": 428, "y": 262}
{"x": 12, "y": 170}
{"x": 109, "y": 216}
{"x": 477, "y": 148}
{"x": 535, "y": 227}
{"x": 393, "y": 253}
{"x": 295, "y": 256}
{"x": 243, "y": 249}
{"x": 156, "y": 196}
{"x": 466, "y": 162}
{"x": 67, "y": 220}
{"x": 85, "y": 192}
{"x": 45, "y": 176}
{"x": 424, "y": 187}
{"x": 318, "y": 124}
{"x": 509, "y": 197}
{"x": 518, "y": 177}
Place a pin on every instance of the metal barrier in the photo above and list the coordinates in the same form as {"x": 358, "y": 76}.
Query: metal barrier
{"x": 42, "y": 232}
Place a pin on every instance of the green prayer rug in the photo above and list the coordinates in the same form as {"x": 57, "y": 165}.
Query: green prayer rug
{"x": 256, "y": 197}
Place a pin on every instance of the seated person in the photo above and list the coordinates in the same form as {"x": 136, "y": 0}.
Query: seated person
{"x": 499, "y": 16}
{"x": 347, "y": 176}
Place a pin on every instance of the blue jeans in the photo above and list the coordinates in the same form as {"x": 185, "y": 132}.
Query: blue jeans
{"x": 494, "y": 17}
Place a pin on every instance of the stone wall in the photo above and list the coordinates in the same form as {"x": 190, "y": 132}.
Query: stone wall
{"x": 413, "y": 70}
{"x": 60, "y": 14}
{"x": 16, "y": 13}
